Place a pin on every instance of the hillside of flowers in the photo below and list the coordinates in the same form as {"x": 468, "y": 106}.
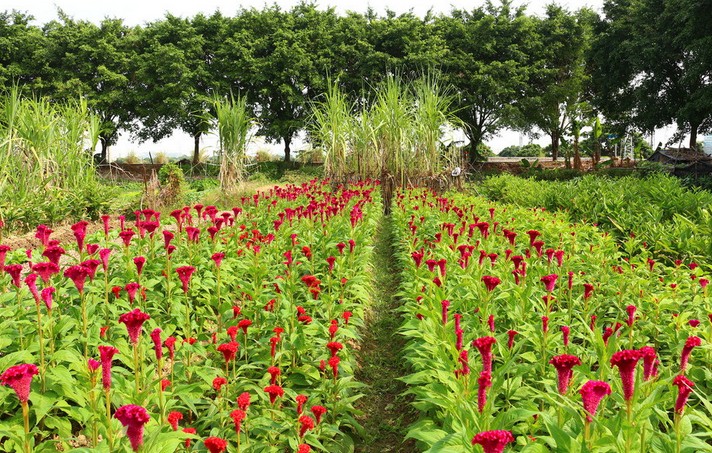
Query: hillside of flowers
{"x": 531, "y": 333}
{"x": 205, "y": 330}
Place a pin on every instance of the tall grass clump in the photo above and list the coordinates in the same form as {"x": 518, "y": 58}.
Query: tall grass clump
{"x": 395, "y": 135}
{"x": 46, "y": 166}
{"x": 233, "y": 126}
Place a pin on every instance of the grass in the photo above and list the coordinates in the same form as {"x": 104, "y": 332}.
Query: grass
{"x": 386, "y": 412}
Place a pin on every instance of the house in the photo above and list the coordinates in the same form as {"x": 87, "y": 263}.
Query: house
{"x": 685, "y": 160}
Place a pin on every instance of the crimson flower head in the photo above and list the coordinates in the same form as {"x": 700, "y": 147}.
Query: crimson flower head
{"x": 334, "y": 364}
{"x": 78, "y": 274}
{"x": 93, "y": 365}
{"x": 19, "y": 377}
{"x": 565, "y": 330}
{"x": 131, "y": 289}
{"x": 218, "y": 382}
{"x": 549, "y": 282}
{"x": 45, "y": 269}
{"x": 244, "y": 324}
{"x": 631, "y": 309}
{"x": 217, "y": 258}
{"x": 133, "y": 418}
{"x": 592, "y": 393}
{"x": 306, "y": 424}
{"x": 243, "y": 401}
{"x": 80, "y": 232}
{"x": 184, "y": 274}
{"x": 626, "y": 361}
{"x": 301, "y": 399}
{"x": 484, "y": 382}
{"x": 157, "y": 344}
{"x": 510, "y": 341}
{"x": 334, "y": 347}
{"x": 139, "y": 261}
{"x": 587, "y": 290}
{"x": 134, "y": 321}
{"x": 173, "y": 419}
{"x": 684, "y": 389}
{"x": 484, "y": 346}
{"x": 189, "y": 431}
{"x": 229, "y": 350}
{"x": 318, "y": 412}
{"x": 215, "y": 444}
{"x": 691, "y": 342}
{"x": 303, "y": 448}
{"x": 106, "y": 354}
{"x": 237, "y": 417}
{"x": 491, "y": 282}
{"x": 170, "y": 344}
{"x": 54, "y": 253}
{"x": 650, "y": 360}
{"x": 445, "y": 305}
{"x": 274, "y": 391}
{"x": 564, "y": 365}
{"x": 274, "y": 372}
{"x": 493, "y": 441}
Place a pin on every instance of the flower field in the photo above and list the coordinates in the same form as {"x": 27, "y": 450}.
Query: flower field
{"x": 219, "y": 330}
{"x": 237, "y": 330}
{"x": 546, "y": 334}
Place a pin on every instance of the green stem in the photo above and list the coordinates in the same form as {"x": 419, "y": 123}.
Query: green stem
{"x": 41, "y": 339}
{"x": 26, "y": 418}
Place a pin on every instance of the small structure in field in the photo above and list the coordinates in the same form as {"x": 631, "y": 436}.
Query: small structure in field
{"x": 685, "y": 160}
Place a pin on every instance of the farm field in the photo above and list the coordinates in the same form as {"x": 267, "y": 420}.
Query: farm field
{"x": 242, "y": 329}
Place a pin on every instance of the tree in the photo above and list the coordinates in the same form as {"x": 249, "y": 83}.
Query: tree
{"x": 530, "y": 150}
{"x": 650, "y": 63}
{"x": 19, "y": 46}
{"x": 559, "y": 74}
{"x": 488, "y": 63}
{"x": 81, "y": 59}
{"x": 174, "y": 83}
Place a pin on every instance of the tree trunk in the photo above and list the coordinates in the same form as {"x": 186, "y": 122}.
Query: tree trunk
{"x": 554, "y": 145}
{"x": 287, "y": 151}
{"x": 596, "y": 152}
{"x": 475, "y": 142}
{"x": 104, "y": 149}
{"x": 577, "y": 154}
{"x": 693, "y": 137}
{"x": 196, "y": 149}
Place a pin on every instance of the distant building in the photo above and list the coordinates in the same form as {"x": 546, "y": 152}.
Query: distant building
{"x": 685, "y": 160}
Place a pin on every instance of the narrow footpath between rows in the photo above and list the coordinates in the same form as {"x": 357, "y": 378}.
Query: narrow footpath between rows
{"x": 386, "y": 413}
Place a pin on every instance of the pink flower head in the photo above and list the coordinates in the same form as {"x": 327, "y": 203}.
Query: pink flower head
{"x": 173, "y": 418}
{"x": 80, "y": 232}
{"x": 564, "y": 368}
{"x": 217, "y": 258}
{"x": 131, "y": 289}
{"x": 19, "y": 377}
{"x": 690, "y": 344}
{"x": 93, "y": 365}
{"x": 78, "y": 274}
{"x": 566, "y": 330}
{"x": 104, "y": 257}
{"x": 43, "y": 232}
{"x": 510, "y": 340}
{"x": 318, "y": 412}
{"x": 587, "y": 290}
{"x": 484, "y": 346}
{"x": 545, "y": 324}
{"x": 139, "y": 261}
{"x": 106, "y": 354}
{"x": 157, "y": 344}
{"x": 53, "y": 253}
{"x": 491, "y": 282}
{"x": 592, "y": 393}
{"x": 215, "y": 444}
{"x": 184, "y": 273}
{"x": 684, "y": 389}
{"x": 626, "y": 361}
{"x": 274, "y": 391}
{"x": 133, "y": 418}
{"x": 45, "y": 269}
{"x": 493, "y": 441}
{"x": 483, "y": 382}
{"x": 15, "y": 271}
{"x": 134, "y": 321}
{"x": 549, "y": 282}
{"x": 650, "y": 358}
{"x": 631, "y": 309}
{"x": 445, "y": 304}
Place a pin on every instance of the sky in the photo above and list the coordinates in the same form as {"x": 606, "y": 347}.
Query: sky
{"x": 139, "y": 12}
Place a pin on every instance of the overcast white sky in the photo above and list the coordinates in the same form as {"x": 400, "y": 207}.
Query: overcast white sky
{"x": 137, "y": 12}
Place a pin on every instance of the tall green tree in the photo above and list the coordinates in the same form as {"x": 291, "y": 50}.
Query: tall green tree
{"x": 489, "y": 64}
{"x": 20, "y": 43}
{"x": 556, "y": 90}
{"x": 82, "y": 59}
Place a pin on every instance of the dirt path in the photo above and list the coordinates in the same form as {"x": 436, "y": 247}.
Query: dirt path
{"x": 386, "y": 413}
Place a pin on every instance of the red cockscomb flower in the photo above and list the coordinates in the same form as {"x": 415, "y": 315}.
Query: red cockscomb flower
{"x": 133, "y": 418}
{"x": 650, "y": 359}
{"x": 243, "y": 401}
{"x": 626, "y": 361}
{"x": 690, "y": 344}
{"x": 684, "y": 389}
{"x": 218, "y": 382}
{"x": 303, "y": 448}
{"x": 189, "y": 431}
{"x": 106, "y": 354}
{"x": 592, "y": 392}
{"x": 631, "y": 309}
{"x": 491, "y": 282}
{"x": 484, "y": 381}
{"x": 229, "y": 350}
{"x": 484, "y": 346}
{"x": 306, "y": 424}
{"x": 549, "y": 282}
{"x": 157, "y": 344}
{"x": 170, "y": 344}
{"x": 301, "y": 399}
{"x": 334, "y": 347}
{"x": 237, "y": 417}
{"x": 564, "y": 368}
{"x": 184, "y": 274}
{"x": 19, "y": 377}
{"x": 134, "y": 321}
{"x": 493, "y": 441}
{"x": 274, "y": 391}
{"x": 173, "y": 418}
{"x": 78, "y": 274}
{"x": 244, "y": 324}
{"x": 215, "y": 444}
{"x": 318, "y": 412}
